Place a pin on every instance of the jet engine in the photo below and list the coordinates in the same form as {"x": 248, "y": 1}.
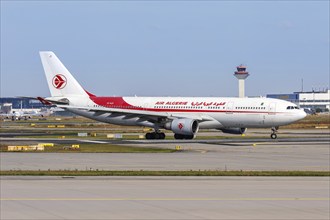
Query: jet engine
{"x": 184, "y": 126}
{"x": 234, "y": 130}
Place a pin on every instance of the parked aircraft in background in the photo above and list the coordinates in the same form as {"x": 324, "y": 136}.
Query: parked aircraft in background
{"x": 12, "y": 115}
{"x": 182, "y": 115}
{"x": 19, "y": 114}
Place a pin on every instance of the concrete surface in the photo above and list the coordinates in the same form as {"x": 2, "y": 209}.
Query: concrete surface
{"x": 165, "y": 198}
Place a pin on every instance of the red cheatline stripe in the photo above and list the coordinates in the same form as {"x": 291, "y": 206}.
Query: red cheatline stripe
{"x": 120, "y": 103}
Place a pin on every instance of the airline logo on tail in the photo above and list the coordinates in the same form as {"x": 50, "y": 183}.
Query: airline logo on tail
{"x": 59, "y": 81}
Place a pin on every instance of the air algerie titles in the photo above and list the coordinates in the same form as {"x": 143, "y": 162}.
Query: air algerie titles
{"x": 192, "y": 104}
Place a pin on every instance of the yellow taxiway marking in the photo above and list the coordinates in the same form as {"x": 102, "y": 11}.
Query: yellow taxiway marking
{"x": 259, "y": 143}
{"x": 165, "y": 199}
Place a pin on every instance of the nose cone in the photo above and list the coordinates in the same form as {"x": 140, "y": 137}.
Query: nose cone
{"x": 301, "y": 115}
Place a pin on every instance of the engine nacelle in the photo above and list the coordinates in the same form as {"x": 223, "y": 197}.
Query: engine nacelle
{"x": 234, "y": 130}
{"x": 184, "y": 126}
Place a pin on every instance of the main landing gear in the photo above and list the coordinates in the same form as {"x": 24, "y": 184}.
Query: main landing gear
{"x": 155, "y": 135}
{"x": 273, "y": 134}
{"x": 181, "y": 136}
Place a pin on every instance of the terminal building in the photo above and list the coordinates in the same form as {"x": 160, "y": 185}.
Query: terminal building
{"x": 10, "y": 104}
{"x": 24, "y": 103}
{"x": 318, "y": 101}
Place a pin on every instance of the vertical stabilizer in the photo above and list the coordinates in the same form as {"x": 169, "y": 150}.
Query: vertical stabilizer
{"x": 59, "y": 79}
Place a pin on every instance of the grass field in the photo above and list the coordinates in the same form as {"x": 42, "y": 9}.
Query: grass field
{"x": 311, "y": 121}
{"x": 96, "y": 148}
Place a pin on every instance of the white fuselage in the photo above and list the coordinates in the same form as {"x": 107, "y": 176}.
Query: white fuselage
{"x": 219, "y": 112}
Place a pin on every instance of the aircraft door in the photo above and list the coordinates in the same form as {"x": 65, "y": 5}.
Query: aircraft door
{"x": 272, "y": 108}
{"x": 145, "y": 106}
{"x": 229, "y": 108}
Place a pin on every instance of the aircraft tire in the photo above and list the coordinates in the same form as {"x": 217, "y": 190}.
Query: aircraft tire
{"x": 273, "y": 136}
{"x": 189, "y": 137}
{"x": 155, "y": 135}
{"x": 162, "y": 136}
{"x": 178, "y": 136}
{"x": 150, "y": 136}
{"x": 181, "y": 137}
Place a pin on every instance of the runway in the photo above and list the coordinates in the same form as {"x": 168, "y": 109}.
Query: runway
{"x": 165, "y": 198}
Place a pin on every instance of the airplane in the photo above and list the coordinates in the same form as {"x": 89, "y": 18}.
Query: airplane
{"x": 43, "y": 112}
{"x": 14, "y": 115}
{"x": 184, "y": 116}
{"x": 18, "y": 114}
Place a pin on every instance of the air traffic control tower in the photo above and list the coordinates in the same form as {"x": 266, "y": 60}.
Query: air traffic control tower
{"x": 241, "y": 74}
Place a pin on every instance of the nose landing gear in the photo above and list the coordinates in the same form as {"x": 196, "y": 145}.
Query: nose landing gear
{"x": 273, "y": 134}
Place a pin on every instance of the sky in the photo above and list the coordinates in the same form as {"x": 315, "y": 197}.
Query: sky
{"x": 167, "y": 48}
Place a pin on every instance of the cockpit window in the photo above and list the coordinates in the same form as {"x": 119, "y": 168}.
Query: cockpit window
{"x": 292, "y": 107}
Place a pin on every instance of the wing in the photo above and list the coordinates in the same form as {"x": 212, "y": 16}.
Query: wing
{"x": 152, "y": 116}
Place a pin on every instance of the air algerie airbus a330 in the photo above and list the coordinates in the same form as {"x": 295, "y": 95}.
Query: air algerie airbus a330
{"x": 182, "y": 115}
